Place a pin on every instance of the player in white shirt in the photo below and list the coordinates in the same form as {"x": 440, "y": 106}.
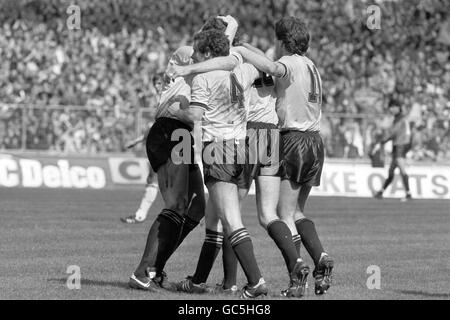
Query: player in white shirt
{"x": 181, "y": 185}
{"x": 217, "y": 99}
{"x": 263, "y": 166}
{"x": 299, "y": 100}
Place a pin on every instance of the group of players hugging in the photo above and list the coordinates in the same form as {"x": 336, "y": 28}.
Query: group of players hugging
{"x": 259, "y": 121}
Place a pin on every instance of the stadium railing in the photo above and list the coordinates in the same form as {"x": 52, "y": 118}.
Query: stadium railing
{"x": 94, "y": 130}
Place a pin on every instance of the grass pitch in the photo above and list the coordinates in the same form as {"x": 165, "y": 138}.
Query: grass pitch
{"x": 43, "y": 232}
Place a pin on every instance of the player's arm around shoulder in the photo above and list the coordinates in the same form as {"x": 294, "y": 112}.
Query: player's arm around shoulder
{"x": 262, "y": 63}
{"x": 218, "y": 63}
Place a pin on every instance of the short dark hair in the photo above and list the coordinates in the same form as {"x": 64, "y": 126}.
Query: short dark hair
{"x": 157, "y": 77}
{"x": 214, "y": 41}
{"x": 294, "y": 35}
{"x": 214, "y": 23}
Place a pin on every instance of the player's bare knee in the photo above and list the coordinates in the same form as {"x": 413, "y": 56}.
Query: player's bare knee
{"x": 299, "y": 215}
{"x": 266, "y": 218}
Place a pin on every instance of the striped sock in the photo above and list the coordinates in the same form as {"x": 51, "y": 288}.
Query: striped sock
{"x": 210, "y": 250}
{"x": 297, "y": 242}
{"x": 243, "y": 248}
{"x": 162, "y": 237}
{"x": 170, "y": 227}
{"x": 229, "y": 265}
{"x": 282, "y": 236}
{"x": 307, "y": 231}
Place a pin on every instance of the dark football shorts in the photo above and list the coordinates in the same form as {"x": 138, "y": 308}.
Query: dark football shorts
{"x": 159, "y": 142}
{"x": 302, "y": 157}
{"x": 225, "y": 161}
{"x": 400, "y": 151}
{"x": 263, "y": 150}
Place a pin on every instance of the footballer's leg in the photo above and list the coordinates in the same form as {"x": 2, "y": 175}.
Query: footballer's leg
{"x": 208, "y": 254}
{"x": 287, "y": 204}
{"x": 401, "y": 164}
{"x": 165, "y": 231}
{"x": 195, "y": 212}
{"x": 197, "y": 203}
{"x": 267, "y": 195}
{"x": 225, "y": 197}
{"x": 306, "y": 229}
{"x": 229, "y": 259}
{"x": 389, "y": 179}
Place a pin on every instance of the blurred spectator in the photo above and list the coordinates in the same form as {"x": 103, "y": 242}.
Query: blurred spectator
{"x": 107, "y": 67}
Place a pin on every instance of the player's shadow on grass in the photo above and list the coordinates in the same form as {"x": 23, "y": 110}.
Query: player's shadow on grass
{"x": 95, "y": 283}
{"x": 424, "y": 293}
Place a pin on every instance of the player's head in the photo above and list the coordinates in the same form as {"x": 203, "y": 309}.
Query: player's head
{"x": 395, "y": 106}
{"x": 182, "y": 56}
{"x": 210, "y": 44}
{"x": 215, "y": 23}
{"x": 158, "y": 82}
{"x": 292, "y": 36}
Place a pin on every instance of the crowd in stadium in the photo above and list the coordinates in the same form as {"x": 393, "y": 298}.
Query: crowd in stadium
{"x": 108, "y": 64}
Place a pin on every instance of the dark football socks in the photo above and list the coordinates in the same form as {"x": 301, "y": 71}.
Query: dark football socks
{"x": 297, "y": 242}
{"x": 405, "y": 179}
{"x": 210, "y": 249}
{"x": 310, "y": 239}
{"x": 388, "y": 181}
{"x": 162, "y": 238}
{"x": 243, "y": 248}
{"x": 169, "y": 231}
{"x": 280, "y": 233}
{"x": 188, "y": 226}
{"x": 230, "y": 264}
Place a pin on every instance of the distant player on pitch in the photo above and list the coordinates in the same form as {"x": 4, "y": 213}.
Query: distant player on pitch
{"x": 400, "y": 134}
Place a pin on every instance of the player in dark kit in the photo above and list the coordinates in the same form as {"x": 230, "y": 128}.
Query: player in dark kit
{"x": 299, "y": 98}
{"x": 151, "y": 188}
{"x": 400, "y": 134}
{"x": 181, "y": 184}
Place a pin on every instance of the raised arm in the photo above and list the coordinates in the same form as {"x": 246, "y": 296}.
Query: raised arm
{"x": 262, "y": 63}
{"x": 232, "y": 26}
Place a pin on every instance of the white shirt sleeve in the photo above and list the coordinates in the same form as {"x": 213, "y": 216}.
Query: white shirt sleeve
{"x": 249, "y": 75}
{"x": 237, "y": 56}
{"x": 199, "y": 92}
{"x": 286, "y": 62}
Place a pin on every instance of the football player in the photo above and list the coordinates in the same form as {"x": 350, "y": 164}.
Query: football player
{"x": 299, "y": 97}
{"x": 181, "y": 185}
{"x": 217, "y": 100}
{"x": 400, "y": 134}
{"x": 263, "y": 166}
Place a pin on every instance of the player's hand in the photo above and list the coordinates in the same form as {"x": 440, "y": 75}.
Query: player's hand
{"x": 229, "y": 20}
{"x": 173, "y": 71}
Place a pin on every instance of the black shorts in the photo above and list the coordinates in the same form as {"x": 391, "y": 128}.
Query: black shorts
{"x": 225, "y": 161}
{"x": 159, "y": 142}
{"x": 302, "y": 157}
{"x": 400, "y": 151}
{"x": 263, "y": 150}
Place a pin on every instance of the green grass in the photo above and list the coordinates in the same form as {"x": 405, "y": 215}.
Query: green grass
{"x": 42, "y": 232}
